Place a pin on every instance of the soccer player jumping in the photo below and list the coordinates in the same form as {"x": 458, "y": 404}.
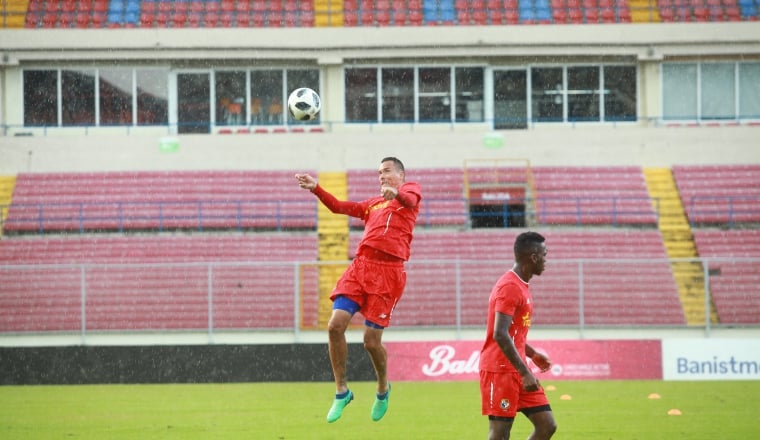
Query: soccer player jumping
{"x": 507, "y": 385}
{"x": 375, "y": 280}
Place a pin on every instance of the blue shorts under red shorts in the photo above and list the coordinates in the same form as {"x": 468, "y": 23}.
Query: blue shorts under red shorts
{"x": 502, "y": 394}
{"x": 376, "y": 286}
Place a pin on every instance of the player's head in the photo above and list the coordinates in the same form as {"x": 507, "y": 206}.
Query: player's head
{"x": 530, "y": 252}
{"x": 391, "y": 172}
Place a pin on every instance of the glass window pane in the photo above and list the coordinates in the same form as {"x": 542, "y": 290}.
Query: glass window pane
{"x": 583, "y": 94}
{"x": 510, "y": 99}
{"x": 679, "y": 91}
{"x": 547, "y": 93}
{"x": 115, "y": 89}
{"x": 40, "y": 97}
{"x": 194, "y": 102}
{"x": 152, "y": 97}
{"x": 303, "y": 78}
{"x": 398, "y": 95}
{"x": 749, "y": 90}
{"x": 230, "y": 98}
{"x": 78, "y": 97}
{"x": 469, "y": 94}
{"x": 361, "y": 95}
{"x": 435, "y": 94}
{"x": 620, "y": 93}
{"x": 266, "y": 96}
{"x": 717, "y": 84}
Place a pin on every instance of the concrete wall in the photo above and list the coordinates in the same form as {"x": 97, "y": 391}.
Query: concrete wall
{"x": 417, "y": 146}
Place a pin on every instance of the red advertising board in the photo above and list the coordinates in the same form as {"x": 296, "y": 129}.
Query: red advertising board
{"x": 497, "y": 195}
{"x": 571, "y": 359}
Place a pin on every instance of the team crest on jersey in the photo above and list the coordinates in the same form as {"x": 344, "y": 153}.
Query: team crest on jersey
{"x": 380, "y": 205}
{"x": 504, "y": 404}
{"x": 526, "y": 320}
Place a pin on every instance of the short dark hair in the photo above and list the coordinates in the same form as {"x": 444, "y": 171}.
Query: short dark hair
{"x": 399, "y": 165}
{"x": 528, "y": 243}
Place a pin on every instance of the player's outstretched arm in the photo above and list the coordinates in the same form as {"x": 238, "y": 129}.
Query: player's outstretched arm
{"x": 335, "y": 206}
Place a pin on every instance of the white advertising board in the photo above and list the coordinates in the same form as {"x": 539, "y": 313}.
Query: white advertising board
{"x": 711, "y": 359}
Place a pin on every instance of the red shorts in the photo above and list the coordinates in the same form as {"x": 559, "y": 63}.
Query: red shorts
{"x": 502, "y": 394}
{"x": 376, "y": 286}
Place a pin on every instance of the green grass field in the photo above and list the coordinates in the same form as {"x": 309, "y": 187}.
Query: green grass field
{"x": 284, "y": 411}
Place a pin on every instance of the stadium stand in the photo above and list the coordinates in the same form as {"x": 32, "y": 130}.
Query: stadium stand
{"x": 609, "y": 195}
{"x": 444, "y": 203}
{"x": 293, "y": 13}
{"x": 734, "y": 282}
{"x": 120, "y": 201}
{"x": 563, "y": 195}
{"x": 610, "y": 289}
{"x": 719, "y": 194}
{"x": 152, "y": 282}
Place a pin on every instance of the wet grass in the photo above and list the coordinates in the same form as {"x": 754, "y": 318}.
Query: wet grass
{"x": 284, "y": 411}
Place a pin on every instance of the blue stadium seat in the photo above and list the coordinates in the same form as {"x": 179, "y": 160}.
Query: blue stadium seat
{"x": 438, "y": 11}
{"x": 749, "y": 8}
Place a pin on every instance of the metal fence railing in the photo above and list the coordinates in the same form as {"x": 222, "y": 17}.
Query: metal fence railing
{"x": 83, "y": 217}
{"x": 216, "y": 297}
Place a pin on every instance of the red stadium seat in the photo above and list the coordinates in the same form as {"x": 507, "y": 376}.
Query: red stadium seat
{"x": 243, "y": 20}
{"x": 180, "y": 7}
{"x": 50, "y": 20}
{"x": 575, "y": 15}
{"x": 194, "y": 19}
{"x": 65, "y": 20}
{"x": 212, "y": 7}
{"x": 258, "y": 19}
{"x": 608, "y": 15}
{"x": 162, "y": 19}
{"x": 211, "y": 19}
{"x": 592, "y": 15}
{"x": 243, "y": 8}
{"x": 226, "y": 19}
{"x": 98, "y": 19}
{"x": 165, "y": 6}
{"x": 52, "y": 6}
{"x": 415, "y": 17}
{"x": 733, "y": 13}
{"x": 100, "y": 6}
{"x": 82, "y": 20}
{"x": 178, "y": 19}
{"x": 69, "y": 6}
{"x": 227, "y": 6}
{"x": 83, "y": 6}
{"x": 350, "y": 18}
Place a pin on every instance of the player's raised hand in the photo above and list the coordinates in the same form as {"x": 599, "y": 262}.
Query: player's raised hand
{"x": 388, "y": 192}
{"x": 305, "y": 181}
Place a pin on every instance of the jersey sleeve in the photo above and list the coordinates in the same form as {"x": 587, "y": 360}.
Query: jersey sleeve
{"x": 409, "y": 194}
{"x": 353, "y": 209}
{"x": 507, "y": 300}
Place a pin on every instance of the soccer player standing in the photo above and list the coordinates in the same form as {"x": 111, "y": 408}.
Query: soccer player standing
{"x": 507, "y": 385}
{"x": 375, "y": 280}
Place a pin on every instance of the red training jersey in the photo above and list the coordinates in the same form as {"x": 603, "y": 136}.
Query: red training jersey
{"x": 388, "y": 223}
{"x": 510, "y": 296}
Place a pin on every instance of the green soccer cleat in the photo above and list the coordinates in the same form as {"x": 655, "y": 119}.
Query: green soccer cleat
{"x": 336, "y": 410}
{"x": 380, "y": 407}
